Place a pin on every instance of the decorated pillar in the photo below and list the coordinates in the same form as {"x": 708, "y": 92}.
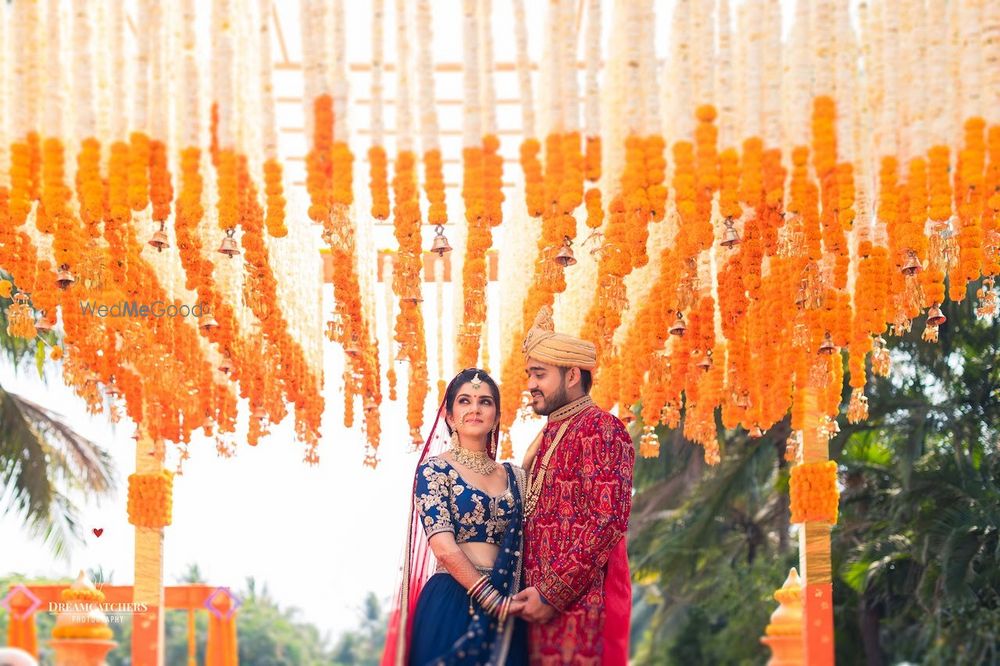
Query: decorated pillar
{"x": 784, "y": 632}
{"x": 814, "y": 499}
{"x": 150, "y": 492}
{"x": 21, "y": 605}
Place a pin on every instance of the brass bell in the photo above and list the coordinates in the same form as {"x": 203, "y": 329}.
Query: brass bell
{"x": 259, "y": 412}
{"x": 412, "y": 295}
{"x": 756, "y": 432}
{"x": 208, "y": 323}
{"x": 159, "y": 240}
{"x": 352, "y": 347}
{"x": 45, "y": 324}
{"x": 731, "y": 237}
{"x": 935, "y": 317}
{"x": 801, "y": 296}
{"x": 912, "y": 265}
{"x": 827, "y": 347}
{"x": 226, "y": 366}
{"x": 678, "y": 327}
{"x": 706, "y": 362}
{"x": 565, "y": 256}
{"x": 440, "y": 245}
{"x": 64, "y": 278}
{"x": 228, "y": 246}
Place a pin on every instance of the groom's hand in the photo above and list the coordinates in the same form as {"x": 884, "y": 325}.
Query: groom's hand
{"x": 534, "y": 609}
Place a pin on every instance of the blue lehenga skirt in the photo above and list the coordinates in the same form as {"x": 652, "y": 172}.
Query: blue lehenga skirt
{"x": 442, "y": 617}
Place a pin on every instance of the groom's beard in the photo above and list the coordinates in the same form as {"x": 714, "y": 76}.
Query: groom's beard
{"x": 550, "y": 403}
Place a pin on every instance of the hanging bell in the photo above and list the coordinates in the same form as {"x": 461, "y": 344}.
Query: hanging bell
{"x": 208, "y": 323}
{"x": 226, "y": 366}
{"x": 440, "y": 245}
{"x": 706, "y": 362}
{"x": 756, "y": 432}
{"x": 45, "y": 324}
{"x": 827, "y": 347}
{"x": 565, "y": 256}
{"x": 731, "y": 237}
{"x": 64, "y": 279}
{"x": 912, "y": 265}
{"x": 259, "y": 412}
{"x": 352, "y": 347}
{"x": 412, "y": 295}
{"x": 935, "y": 317}
{"x": 678, "y": 327}
{"x": 159, "y": 239}
{"x": 228, "y": 246}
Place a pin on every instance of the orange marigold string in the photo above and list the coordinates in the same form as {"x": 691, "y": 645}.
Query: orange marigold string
{"x": 814, "y": 494}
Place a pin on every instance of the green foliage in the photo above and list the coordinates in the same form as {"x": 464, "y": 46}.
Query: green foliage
{"x": 916, "y": 552}
{"x": 363, "y": 647}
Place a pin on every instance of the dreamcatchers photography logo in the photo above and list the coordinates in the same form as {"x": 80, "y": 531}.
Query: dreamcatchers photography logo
{"x": 136, "y": 309}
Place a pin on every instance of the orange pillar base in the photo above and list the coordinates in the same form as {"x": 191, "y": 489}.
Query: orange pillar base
{"x": 146, "y": 640}
{"x": 81, "y": 652}
{"x": 819, "y": 624}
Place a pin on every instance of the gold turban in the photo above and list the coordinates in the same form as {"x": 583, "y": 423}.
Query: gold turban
{"x": 543, "y": 344}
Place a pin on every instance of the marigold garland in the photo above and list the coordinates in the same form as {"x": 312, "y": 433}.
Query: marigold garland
{"x": 814, "y": 494}
{"x": 161, "y": 191}
{"x": 139, "y": 152}
{"x": 150, "y": 499}
{"x": 378, "y": 182}
{"x": 406, "y": 281}
{"x": 319, "y": 165}
{"x": 437, "y": 211}
{"x": 274, "y": 192}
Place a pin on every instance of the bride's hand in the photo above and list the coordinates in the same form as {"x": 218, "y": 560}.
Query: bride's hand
{"x": 516, "y": 607}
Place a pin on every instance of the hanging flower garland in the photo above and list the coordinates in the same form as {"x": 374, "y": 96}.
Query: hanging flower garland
{"x": 814, "y": 494}
{"x": 273, "y": 182}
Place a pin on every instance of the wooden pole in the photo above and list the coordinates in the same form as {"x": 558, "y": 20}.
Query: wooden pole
{"x": 814, "y": 551}
{"x": 148, "y": 626}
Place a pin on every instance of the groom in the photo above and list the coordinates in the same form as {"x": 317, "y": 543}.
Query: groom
{"x": 578, "y": 595}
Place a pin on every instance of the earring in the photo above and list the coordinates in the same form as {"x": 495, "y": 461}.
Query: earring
{"x": 455, "y": 444}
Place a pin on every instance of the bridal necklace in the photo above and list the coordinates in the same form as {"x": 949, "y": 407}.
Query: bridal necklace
{"x": 477, "y": 461}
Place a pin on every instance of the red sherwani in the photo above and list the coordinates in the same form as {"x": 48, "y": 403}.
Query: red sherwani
{"x": 575, "y": 542}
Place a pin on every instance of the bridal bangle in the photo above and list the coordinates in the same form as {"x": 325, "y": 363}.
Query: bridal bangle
{"x": 491, "y": 599}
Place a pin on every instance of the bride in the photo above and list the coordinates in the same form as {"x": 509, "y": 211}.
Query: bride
{"x": 467, "y": 508}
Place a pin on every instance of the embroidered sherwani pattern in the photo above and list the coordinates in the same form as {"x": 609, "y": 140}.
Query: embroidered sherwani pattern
{"x": 579, "y": 523}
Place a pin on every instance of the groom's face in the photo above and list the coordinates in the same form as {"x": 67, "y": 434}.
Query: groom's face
{"x": 547, "y": 384}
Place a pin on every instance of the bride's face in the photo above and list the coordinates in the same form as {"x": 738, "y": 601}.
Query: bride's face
{"x": 474, "y": 412}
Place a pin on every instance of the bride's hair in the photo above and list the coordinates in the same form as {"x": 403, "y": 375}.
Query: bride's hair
{"x": 462, "y": 378}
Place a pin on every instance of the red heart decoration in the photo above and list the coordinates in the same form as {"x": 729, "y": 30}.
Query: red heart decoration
{"x": 98, "y": 531}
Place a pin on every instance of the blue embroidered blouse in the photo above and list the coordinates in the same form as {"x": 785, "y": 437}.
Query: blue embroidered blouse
{"x": 448, "y": 503}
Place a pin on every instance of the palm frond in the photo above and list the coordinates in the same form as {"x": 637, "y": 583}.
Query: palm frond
{"x": 80, "y": 459}
{"x": 23, "y": 462}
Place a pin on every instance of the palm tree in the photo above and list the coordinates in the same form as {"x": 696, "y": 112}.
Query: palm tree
{"x": 44, "y": 463}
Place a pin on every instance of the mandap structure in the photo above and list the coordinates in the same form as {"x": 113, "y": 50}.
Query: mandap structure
{"x": 734, "y": 212}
